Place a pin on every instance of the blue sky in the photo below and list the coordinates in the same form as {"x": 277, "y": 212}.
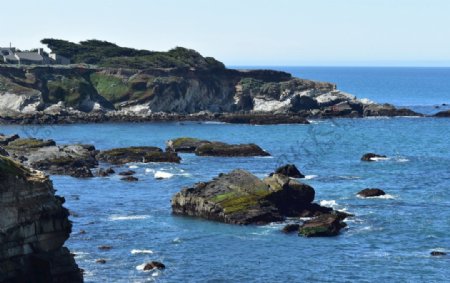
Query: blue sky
{"x": 249, "y": 32}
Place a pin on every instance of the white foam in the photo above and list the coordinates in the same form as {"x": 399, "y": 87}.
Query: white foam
{"x": 177, "y": 240}
{"x": 133, "y": 166}
{"x": 129, "y": 217}
{"x": 141, "y": 267}
{"x": 149, "y": 170}
{"x": 309, "y": 177}
{"x": 386, "y": 196}
{"x": 329, "y": 203}
{"x": 401, "y": 159}
{"x": 163, "y": 175}
{"x": 379, "y": 158}
{"x": 141, "y": 252}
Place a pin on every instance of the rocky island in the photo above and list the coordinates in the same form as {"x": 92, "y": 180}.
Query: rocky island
{"x": 107, "y": 82}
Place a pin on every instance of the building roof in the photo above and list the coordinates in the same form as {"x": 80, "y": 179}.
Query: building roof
{"x": 29, "y": 56}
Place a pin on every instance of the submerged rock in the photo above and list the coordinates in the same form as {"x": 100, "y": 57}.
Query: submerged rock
{"x": 263, "y": 119}
{"x": 438, "y": 253}
{"x": 129, "y": 179}
{"x": 34, "y": 226}
{"x": 143, "y": 154}
{"x": 322, "y": 226}
{"x": 371, "y": 157}
{"x": 241, "y": 198}
{"x": 443, "y": 114}
{"x": 289, "y": 170}
{"x": 290, "y": 228}
{"x": 127, "y": 173}
{"x": 154, "y": 265}
{"x": 229, "y": 150}
{"x": 371, "y": 193}
{"x": 105, "y": 172}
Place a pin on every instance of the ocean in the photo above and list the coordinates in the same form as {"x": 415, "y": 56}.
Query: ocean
{"x": 389, "y": 239}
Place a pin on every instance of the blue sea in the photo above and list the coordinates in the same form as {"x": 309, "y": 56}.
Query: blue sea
{"x": 388, "y": 240}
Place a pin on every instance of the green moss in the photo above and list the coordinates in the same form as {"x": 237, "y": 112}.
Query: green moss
{"x": 236, "y": 201}
{"x": 180, "y": 141}
{"x": 29, "y": 143}
{"x": 110, "y": 87}
{"x": 10, "y": 167}
{"x": 313, "y": 231}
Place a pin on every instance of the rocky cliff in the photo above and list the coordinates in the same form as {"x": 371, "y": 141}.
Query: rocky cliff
{"x": 33, "y": 228}
{"x": 77, "y": 90}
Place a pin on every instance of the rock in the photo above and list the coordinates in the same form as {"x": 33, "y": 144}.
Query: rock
{"x": 371, "y": 157}
{"x": 290, "y": 228}
{"x": 102, "y": 172}
{"x": 143, "y": 154}
{"x": 263, "y": 119}
{"x": 105, "y": 248}
{"x": 229, "y": 150}
{"x": 5, "y": 140}
{"x": 322, "y": 226}
{"x": 443, "y": 114}
{"x": 438, "y": 253}
{"x": 3, "y": 152}
{"x": 387, "y": 110}
{"x": 184, "y": 144}
{"x": 129, "y": 179}
{"x": 34, "y": 226}
{"x": 154, "y": 265}
{"x": 289, "y": 170}
{"x": 241, "y": 198}
{"x": 82, "y": 232}
{"x": 101, "y": 261}
{"x": 371, "y": 193}
{"x": 127, "y": 173}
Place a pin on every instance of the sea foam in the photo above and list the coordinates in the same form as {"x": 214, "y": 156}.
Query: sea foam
{"x": 129, "y": 217}
{"x": 163, "y": 175}
{"x": 141, "y": 252}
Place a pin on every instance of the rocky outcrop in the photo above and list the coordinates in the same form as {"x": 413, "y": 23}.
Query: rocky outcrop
{"x": 73, "y": 160}
{"x": 289, "y": 170}
{"x": 325, "y": 225}
{"x": 184, "y": 144}
{"x": 154, "y": 265}
{"x": 366, "y": 193}
{"x": 33, "y": 228}
{"x": 64, "y": 95}
{"x": 443, "y": 114}
{"x": 438, "y": 253}
{"x": 241, "y": 198}
{"x": 142, "y": 154}
{"x": 229, "y": 150}
{"x": 372, "y": 157}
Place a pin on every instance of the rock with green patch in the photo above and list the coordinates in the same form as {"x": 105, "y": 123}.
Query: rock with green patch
{"x": 229, "y": 150}
{"x": 184, "y": 144}
{"x": 142, "y": 154}
{"x": 324, "y": 225}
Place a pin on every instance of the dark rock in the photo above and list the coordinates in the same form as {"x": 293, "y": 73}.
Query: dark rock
{"x": 81, "y": 172}
{"x": 105, "y": 248}
{"x": 129, "y": 179}
{"x": 263, "y": 119}
{"x": 438, "y": 253}
{"x": 371, "y": 156}
{"x": 290, "y": 228}
{"x": 34, "y": 226}
{"x": 325, "y": 225}
{"x": 229, "y": 150}
{"x": 143, "y": 154}
{"x": 184, "y": 144}
{"x": 101, "y": 261}
{"x": 82, "y": 232}
{"x": 127, "y": 173}
{"x": 387, "y": 110}
{"x": 371, "y": 193}
{"x": 154, "y": 265}
{"x": 3, "y": 152}
{"x": 443, "y": 114}
{"x": 289, "y": 170}
{"x": 5, "y": 140}
{"x": 102, "y": 172}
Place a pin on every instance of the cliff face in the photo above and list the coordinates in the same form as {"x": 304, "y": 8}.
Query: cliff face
{"x": 173, "y": 90}
{"x": 33, "y": 228}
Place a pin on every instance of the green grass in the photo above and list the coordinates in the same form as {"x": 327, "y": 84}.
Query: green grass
{"x": 29, "y": 143}
{"x": 110, "y": 87}
{"x": 10, "y": 167}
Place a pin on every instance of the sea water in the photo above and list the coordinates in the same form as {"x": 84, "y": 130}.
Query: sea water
{"x": 389, "y": 239}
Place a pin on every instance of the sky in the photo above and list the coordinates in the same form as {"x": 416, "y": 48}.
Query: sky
{"x": 248, "y": 32}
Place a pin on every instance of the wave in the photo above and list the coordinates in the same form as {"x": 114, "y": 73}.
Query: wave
{"x": 379, "y": 158}
{"x": 163, "y": 175}
{"x": 133, "y": 166}
{"x": 386, "y": 196}
{"x": 141, "y": 252}
{"x": 328, "y": 203}
{"x": 129, "y": 217}
{"x": 309, "y": 177}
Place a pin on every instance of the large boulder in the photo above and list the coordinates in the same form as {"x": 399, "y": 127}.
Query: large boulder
{"x": 143, "y": 154}
{"x": 371, "y": 193}
{"x": 229, "y": 150}
{"x": 323, "y": 226}
{"x": 289, "y": 170}
{"x": 34, "y": 226}
{"x": 241, "y": 198}
{"x": 184, "y": 144}
{"x": 443, "y": 114}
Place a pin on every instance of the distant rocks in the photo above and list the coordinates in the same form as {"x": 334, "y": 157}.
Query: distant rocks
{"x": 387, "y": 110}
{"x": 105, "y": 172}
{"x": 438, "y": 253}
{"x": 154, "y": 265}
{"x": 371, "y": 193}
{"x": 142, "y": 154}
{"x": 213, "y": 148}
{"x": 263, "y": 119}
{"x": 372, "y": 157}
{"x": 129, "y": 179}
{"x": 289, "y": 170}
{"x": 241, "y": 198}
{"x": 105, "y": 248}
{"x": 127, "y": 173}
{"x": 101, "y": 261}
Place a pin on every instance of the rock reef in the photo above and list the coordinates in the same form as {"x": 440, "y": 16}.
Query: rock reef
{"x": 33, "y": 228}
